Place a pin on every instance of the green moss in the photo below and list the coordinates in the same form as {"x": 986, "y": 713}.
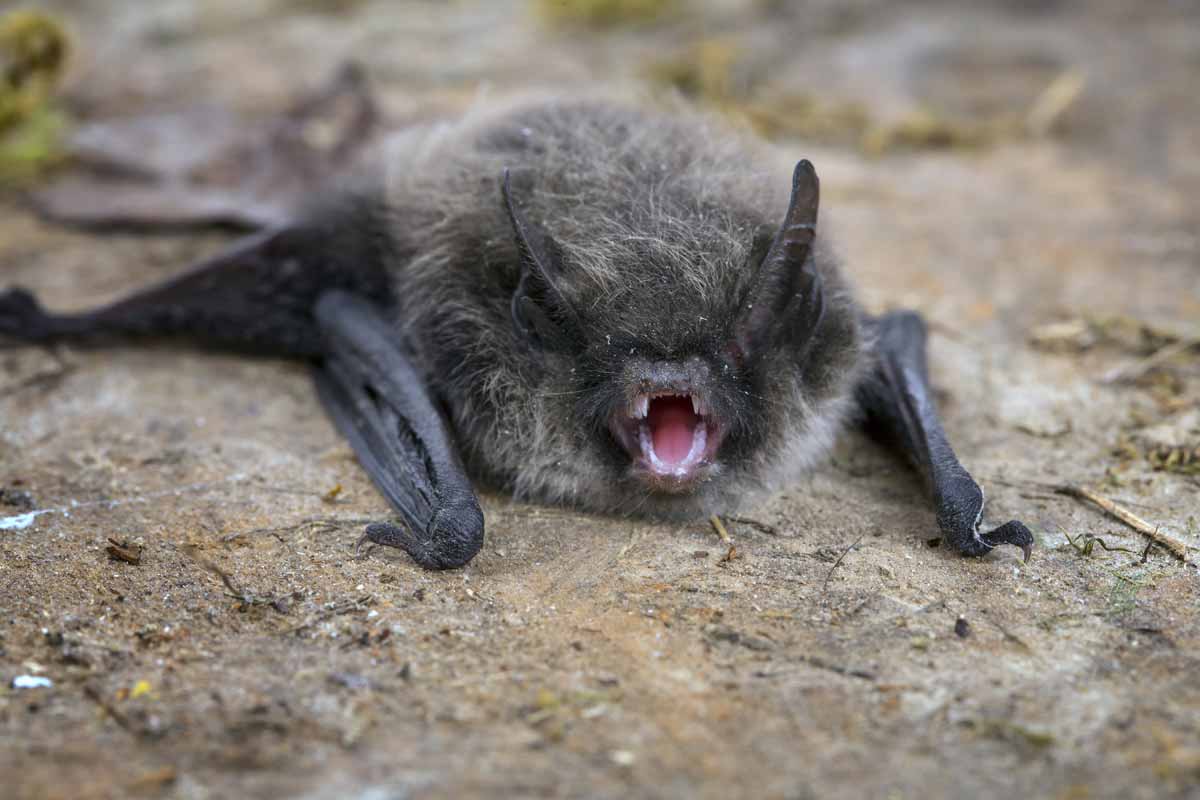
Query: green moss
{"x": 1122, "y": 597}
{"x": 926, "y": 130}
{"x": 714, "y": 72}
{"x": 605, "y": 13}
{"x": 33, "y": 54}
{"x": 703, "y": 71}
{"x": 1013, "y": 732}
{"x": 806, "y": 117}
{"x": 32, "y": 146}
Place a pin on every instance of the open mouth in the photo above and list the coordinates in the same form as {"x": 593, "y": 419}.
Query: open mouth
{"x": 672, "y": 437}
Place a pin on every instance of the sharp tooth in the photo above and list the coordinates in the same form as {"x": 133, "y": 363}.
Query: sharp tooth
{"x": 641, "y": 407}
{"x": 697, "y": 406}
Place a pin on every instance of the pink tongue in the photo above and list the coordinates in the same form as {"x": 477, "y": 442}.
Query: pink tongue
{"x": 672, "y": 423}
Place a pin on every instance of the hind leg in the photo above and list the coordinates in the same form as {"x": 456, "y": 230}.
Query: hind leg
{"x": 898, "y": 402}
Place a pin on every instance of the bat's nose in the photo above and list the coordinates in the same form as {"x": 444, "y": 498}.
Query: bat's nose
{"x": 676, "y": 377}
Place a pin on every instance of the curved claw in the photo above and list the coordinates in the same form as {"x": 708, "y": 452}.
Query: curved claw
{"x": 358, "y": 546}
{"x": 1011, "y": 532}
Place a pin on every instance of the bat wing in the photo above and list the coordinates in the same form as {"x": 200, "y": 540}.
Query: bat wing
{"x": 314, "y": 291}
{"x": 380, "y": 404}
{"x": 899, "y": 406}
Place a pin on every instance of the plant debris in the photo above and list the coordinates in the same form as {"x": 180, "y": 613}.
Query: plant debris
{"x": 126, "y": 724}
{"x": 1184, "y": 460}
{"x": 1072, "y": 335}
{"x": 1128, "y": 333}
{"x": 244, "y": 598}
{"x": 724, "y": 633}
{"x": 1132, "y": 371}
{"x": 762, "y": 527}
{"x": 837, "y": 563}
{"x": 128, "y": 552}
{"x": 33, "y": 53}
{"x": 1086, "y": 543}
{"x": 720, "y": 73}
{"x": 45, "y": 379}
{"x": 605, "y": 13}
{"x": 706, "y": 70}
{"x": 1011, "y": 731}
{"x": 337, "y": 609}
{"x": 1174, "y": 546}
{"x": 719, "y": 527}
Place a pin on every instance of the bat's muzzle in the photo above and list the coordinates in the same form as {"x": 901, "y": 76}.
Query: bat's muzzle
{"x": 667, "y": 427}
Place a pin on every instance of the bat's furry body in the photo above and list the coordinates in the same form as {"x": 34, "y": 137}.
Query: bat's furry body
{"x": 601, "y": 300}
{"x": 659, "y": 218}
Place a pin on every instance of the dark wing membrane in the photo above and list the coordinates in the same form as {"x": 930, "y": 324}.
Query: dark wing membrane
{"x": 380, "y": 404}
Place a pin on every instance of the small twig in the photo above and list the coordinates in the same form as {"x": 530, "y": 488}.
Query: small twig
{"x": 347, "y": 607}
{"x": 1053, "y": 101}
{"x": 46, "y": 378}
{"x": 1133, "y": 370}
{"x": 1009, "y": 635}
{"x": 816, "y": 662}
{"x": 1054, "y": 489}
{"x": 1173, "y": 545}
{"x": 837, "y": 563}
{"x": 239, "y": 594}
{"x": 849, "y": 672}
{"x": 762, "y": 527}
{"x": 124, "y": 551}
{"x": 719, "y": 527}
{"x": 318, "y": 525}
{"x": 93, "y": 694}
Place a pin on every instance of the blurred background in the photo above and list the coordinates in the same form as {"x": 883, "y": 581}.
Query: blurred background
{"x": 1101, "y": 85}
{"x": 1112, "y": 78}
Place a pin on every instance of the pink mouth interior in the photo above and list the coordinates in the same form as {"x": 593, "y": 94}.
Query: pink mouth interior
{"x": 672, "y": 423}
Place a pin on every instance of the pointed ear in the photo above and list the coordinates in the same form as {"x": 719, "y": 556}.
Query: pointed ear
{"x": 541, "y": 314}
{"x": 785, "y": 298}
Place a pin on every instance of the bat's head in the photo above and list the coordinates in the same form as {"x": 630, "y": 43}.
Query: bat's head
{"x": 689, "y": 379}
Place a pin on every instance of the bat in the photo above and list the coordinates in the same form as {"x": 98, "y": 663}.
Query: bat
{"x": 577, "y": 302}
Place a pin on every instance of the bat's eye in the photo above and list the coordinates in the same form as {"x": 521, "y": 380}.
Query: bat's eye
{"x": 530, "y": 322}
{"x": 535, "y": 319}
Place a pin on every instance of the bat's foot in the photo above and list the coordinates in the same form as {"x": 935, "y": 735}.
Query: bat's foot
{"x": 1011, "y": 532}
{"x": 959, "y": 511}
{"x": 453, "y": 540}
{"x": 23, "y": 318}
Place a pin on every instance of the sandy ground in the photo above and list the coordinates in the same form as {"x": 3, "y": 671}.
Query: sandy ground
{"x": 581, "y": 656}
